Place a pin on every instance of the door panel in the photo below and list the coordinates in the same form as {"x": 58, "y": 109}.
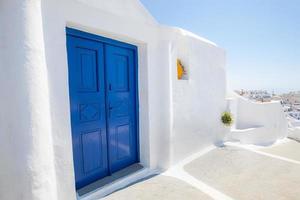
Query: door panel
{"x": 88, "y": 118}
{"x": 91, "y": 141}
{"x": 122, "y": 135}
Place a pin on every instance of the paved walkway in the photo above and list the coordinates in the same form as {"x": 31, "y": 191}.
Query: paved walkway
{"x": 246, "y": 175}
{"x": 235, "y": 172}
{"x": 288, "y": 149}
{"x": 159, "y": 188}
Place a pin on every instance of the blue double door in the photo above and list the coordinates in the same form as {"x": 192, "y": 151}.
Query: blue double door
{"x": 102, "y": 85}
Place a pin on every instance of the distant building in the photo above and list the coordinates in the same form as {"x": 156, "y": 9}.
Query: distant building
{"x": 291, "y": 104}
{"x": 256, "y": 95}
{"x": 276, "y": 98}
{"x": 291, "y": 98}
{"x": 294, "y": 114}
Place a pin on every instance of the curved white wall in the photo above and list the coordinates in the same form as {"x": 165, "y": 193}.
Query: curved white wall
{"x": 177, "y": 117}
{"x": 294, "y": 133}
{"x": 27, "y": 167}
{"x": 294, "y": 128}
{"x": 266, "y": 122}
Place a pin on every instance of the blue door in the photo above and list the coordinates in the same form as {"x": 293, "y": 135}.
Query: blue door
{"x": 102, "y": 85}
{"x": 121, "y": 90}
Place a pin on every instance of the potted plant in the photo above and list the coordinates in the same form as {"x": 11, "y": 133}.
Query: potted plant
{"x": 227, "y": 121}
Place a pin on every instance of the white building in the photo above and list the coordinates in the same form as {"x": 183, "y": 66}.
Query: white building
{"x": 291, "y": 98}
{"x": 90, "y": 87}
{"x": 167, "y": 119}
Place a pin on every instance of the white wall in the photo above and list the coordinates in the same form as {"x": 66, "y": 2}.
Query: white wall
{"x": 293, "y": 128}
{"x": 258, "y": 123}
{"x": 130, "y": 9}
{"x": 294, "y": 133}
{"x": 198, "y": 102}
{"x": 27, "y": 167}
{"x": 177, "y": 118}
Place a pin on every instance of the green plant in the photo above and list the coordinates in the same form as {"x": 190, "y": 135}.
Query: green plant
{"x": 227, "y": 119}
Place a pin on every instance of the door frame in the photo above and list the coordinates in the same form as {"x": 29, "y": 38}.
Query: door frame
{"x": 104, "y": 40}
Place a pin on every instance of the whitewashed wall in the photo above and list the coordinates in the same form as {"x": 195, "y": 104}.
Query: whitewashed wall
{"x": 293, "y": 128}
{"x": 27, "y": 167}
{"x": 294, "y": 133}
{"x": 198, "y": 101}
{"x": 177, "y": 118}
{"x": 258, "y": 123}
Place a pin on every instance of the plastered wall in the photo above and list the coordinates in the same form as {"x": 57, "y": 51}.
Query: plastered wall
{"x": 177, "y": 118}
{"x": 266, "y": 122}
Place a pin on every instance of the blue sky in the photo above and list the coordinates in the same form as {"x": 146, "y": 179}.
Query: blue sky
{"x": 261, "y": 37}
